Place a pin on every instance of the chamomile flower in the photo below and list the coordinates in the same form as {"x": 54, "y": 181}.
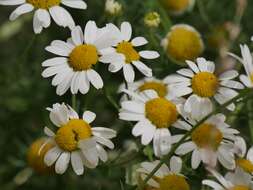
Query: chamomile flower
{"x": 152, "y": 19}
{"x": 247, "y": 62}
{"x": 112, "y": 7}
{"x": 177, "y": 7}
{"x": 202, "y": 84}
{"x": 154, "y": 116}
{"x": 210, "y": 141}
{"x": 76, "y": 141}
{"x": 183, "y": 42}
{"x": 238, "y": 180}
{"x": 149, "y": 83}
{"x": 245, "y": 159}
{"x": 125, "y": 56}
{"x": 74, "y": 66}
{"x": 43, "y": 10}
{"x": 166, "y": 177}
{"x": 36, "y": 153}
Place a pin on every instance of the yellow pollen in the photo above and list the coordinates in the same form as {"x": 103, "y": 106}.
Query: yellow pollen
{"x": 159, "y": 87}
{"x": 245, "y": 164}
{"x": 207, "y": 136}
{"x": 67, "y": 136}
{"x": 177, "y": 6}
{"x": 184, "y": 44}
{"x": 127, "y": 49}
{"x": 161, "y": 112}
{"x": 251, "y": 78}
{"x": 83, "y": 57}
{"x": 205, "y": 84}
{"x": 35, "y": 156}
{"x": 44, "y": 4}
{"x": 239, "y": 187}
{"x": 173, "y": 182}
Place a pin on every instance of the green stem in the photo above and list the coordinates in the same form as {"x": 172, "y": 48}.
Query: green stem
{"x": 111, "y": 100}
{"x": 250, "y": 120}
{"x": 242, "y": 94}
{"x": 203, "y": 14}
{"x": 73, "y": 100}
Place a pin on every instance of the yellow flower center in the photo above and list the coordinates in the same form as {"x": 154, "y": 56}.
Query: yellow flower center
{"x": 127, "y": 49}
{"x": 173, "y": 182}
{"x": 67, "y": 136}
{"x": 239, "y": 187}
{"x": 44, "y": 4}
{"x": 83, "y": 57}
{"x": 245, "y": 164}
{"x": 161, "y": 112}
{"x": 177, "y": 6}
{"x": 159, "y": 87}
{"x": 205, "y": 84}
{"x": 207, "y": 136}
{"x": 184, "y": 44}
{"x": 35, "y": 156}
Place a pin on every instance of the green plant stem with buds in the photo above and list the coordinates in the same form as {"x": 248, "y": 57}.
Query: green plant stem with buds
{"x": 242, "y": 94}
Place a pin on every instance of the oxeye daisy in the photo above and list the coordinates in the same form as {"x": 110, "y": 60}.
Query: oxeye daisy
{"x": 245, "y": 159}
{"x": 177, "y": 7}
{"x": 154, "y": 116}
{"x": 76, "y": 141}
{"x": 211, "y": 141}
{"x": 247, "y": 62}
{"x": 43, "y": 10}
{"x": 36, "y": 153}
{"x": 238, "y": 180}
{"x": 183, "y": 42}
{"x": 74, "y": 66}
{"x": 202, "y": 84}
{"x": 125, "y": 54}
{"x": 165, "y": 178}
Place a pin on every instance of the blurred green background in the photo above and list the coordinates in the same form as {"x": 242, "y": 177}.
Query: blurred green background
{"x": 24, "y": 94}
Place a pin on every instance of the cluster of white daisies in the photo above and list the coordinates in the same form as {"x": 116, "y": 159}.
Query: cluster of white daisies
{"x": 156, "y": 106}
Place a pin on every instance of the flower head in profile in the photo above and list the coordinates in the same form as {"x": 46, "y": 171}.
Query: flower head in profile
{"x": 238, "y": 180}
{"x": 43, "y": 10}
{"x": 211, "y": 141}
{"x": 74, "y": 65}
{"x": 203, "y": 85}
{"x": 124, "y": 54}
{"x": 245, "y": 158}
{"x": 183, "y": 42}
{"x": 113, "y": 7}
{"x": 154, "y": 116}
{"x": 76, "y": 141}
{"x": 166, "y": 177}
{"x": 247, "y": 62}
{"x": 152, "y": 19}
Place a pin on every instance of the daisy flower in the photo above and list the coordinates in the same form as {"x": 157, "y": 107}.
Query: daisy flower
{"x": 210, "y": 141}
{"x": 125, "y": 56}
{"x": 238, "y": 180}
{"x": 73, "y": 68}
{"x": 202, "y": 84}
{"x": 245, "y": 159}
{"x": 43, "y": 10}
{"x": 247, "y": 62}
{"x": 154, "y": 116}
{"x": 149, "y": 83}
{"x": 166, "y": 177}
{"x": 183, "y": 42}
{"x": 76, "y": 141}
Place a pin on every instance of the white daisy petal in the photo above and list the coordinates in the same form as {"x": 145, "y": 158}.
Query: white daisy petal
{"x": 149, "y": 54}
{"x": 126, "y": 31}
{"x": 12, "y": 2}
{"x": 143, "y": 68}
{"x": 139, "y": 41}
{"x": 175, "y": 164}
{"x": 128, "y": 73}
{"x": 25, "y": 8}
{"x": 231, "y": 74}
{"x": 77, "y": 4}
{"x": 196, "y": 159}
{"x": 77, "y": 163}
{"x": 62, "y": 163}
{"x": 52, "y": 155}
{"x": 89, "y": 116}
{"x": 95, "y": 79}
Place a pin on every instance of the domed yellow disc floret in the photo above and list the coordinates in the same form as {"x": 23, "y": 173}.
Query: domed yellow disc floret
{"x": 245, "y": 164}
{"x": 161, "y": 112}
{"x": 159, "y": 87}
{"x": 36, "y": 153}
{"x": 44, "y": 4}
{"x": 173, "y": 182}
{"x": 207, "y": 136}
{"x": 183, "y": 43}
{"x": 83, "y": 57}
{"x": 205, "y": 84}
{"x": 129, "y": 52}
{"x": 240, "y": 187}
{"x": 67, "y": 136}
{"x": 176, "y": 6}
